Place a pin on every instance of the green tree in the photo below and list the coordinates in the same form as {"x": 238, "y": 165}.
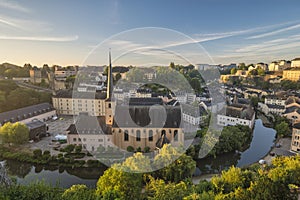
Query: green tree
{"x": 79, "y": 192}
{"x": 118, "y": 76}
{"x": 282, "y": 129}
{"x": 16, "y": 133}
{"x": 174, "y": 165}
{"x": 233, "y": 71}
{"x": 127, "y": 185}
{"x": 160, "y": 190}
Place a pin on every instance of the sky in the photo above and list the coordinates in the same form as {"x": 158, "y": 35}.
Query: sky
{"x": 155, "y": 32}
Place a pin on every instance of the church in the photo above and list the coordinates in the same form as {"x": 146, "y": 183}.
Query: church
{"x": 143, "y": 123}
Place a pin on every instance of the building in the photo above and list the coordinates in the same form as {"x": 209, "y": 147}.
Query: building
{"x": 295, "y": 62}
{"x": 235, "y": 114}
{"x": 35, "y": 75}
{"x": 292, "y": 113}
{"x": 295, "y": 144}
{"x": 90, "y": 132}
{"x": 37, "y": 129}
{"x": 61, "y": 73}
{"x": 193, "y": 115}
{"x": 275, "y": 100}
{"x": 279, "y": 65}
{"x": 292, "y": 74}
{"x": 271, "y": 108}
{"x": 41, "y": 112}
{"x": 67, "y": 102}
{"x": 102, "y": 121}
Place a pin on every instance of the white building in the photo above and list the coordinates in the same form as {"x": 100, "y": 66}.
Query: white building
{"x": 69, "y": 103}
{"x": 271, "y": 108}
{"x": 237, "y": 114}
{"x": 274, "y": 100}
{"x": 193, "y": 115}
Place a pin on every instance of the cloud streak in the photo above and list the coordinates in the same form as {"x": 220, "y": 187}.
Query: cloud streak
{"x": 275, "y": 32}
{"x": 13, "y": 6}
{"x": 41, "y": 39}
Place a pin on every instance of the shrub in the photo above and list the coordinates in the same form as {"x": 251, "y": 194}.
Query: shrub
{"x": 139, "y": 149}
{"x": 130, "y": 149}
{"x": 78, "y": 148}
{"x": 37, "y": 153}
{"x": 69, "y": 148}
{"x": 147, "y": 149}
{"x": 46, "y": 152}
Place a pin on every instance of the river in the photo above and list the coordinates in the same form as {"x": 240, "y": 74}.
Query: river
{"x": 260, "y": 145}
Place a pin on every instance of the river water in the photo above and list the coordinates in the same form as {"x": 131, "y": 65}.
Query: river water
{"x": 25, "y": 173}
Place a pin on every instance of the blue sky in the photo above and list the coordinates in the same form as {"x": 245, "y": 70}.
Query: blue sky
{"x": 215, "y": 31}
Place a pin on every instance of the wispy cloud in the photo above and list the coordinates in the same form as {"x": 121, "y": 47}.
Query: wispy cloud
{"x": 8, "y": 23}
{"x": 12, "y": 5}
{"x": 289, "y": 28}
{"x": 44, "y": 39}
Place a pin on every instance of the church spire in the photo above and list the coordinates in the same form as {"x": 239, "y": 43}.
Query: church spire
{"x": 109, "y": 79}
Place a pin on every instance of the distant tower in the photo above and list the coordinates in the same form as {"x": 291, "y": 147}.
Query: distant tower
{"x": 109, "y": 80}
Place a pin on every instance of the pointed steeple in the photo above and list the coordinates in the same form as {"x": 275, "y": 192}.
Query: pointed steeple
{"x": 109, "y": 79}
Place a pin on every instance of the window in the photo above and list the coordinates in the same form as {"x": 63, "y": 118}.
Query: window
{"x": 126, "y": 137}
{"x": 74, "y": 139}
{"x": 109, "y": 105}
{"x": 84, "y": 139}
{"x": 150, "y": 138}
{"x": 138, "y": 135}
{"x": 176, "y": 135}
{"x": 100, "y": 140}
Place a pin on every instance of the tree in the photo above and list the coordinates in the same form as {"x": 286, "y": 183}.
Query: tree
{"x": 229, "y": 180}
{"x": 118, "y": 76}
{"x": 282, "y": 129}
{"x": 233, "y": 71}
{"x": 172, "y": 65}
{"x": 17, "y": 133}
{"x": 117, "y": 179}
{"x": 79, "y": 192}
{"x": 173, "y": 164}
{"x": 159, "y": 190}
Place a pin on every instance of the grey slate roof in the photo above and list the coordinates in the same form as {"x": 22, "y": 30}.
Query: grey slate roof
{"x": 275, "y": 106}
{"x": 88, "y": 125}
{"x": 139, "y": 116}
{"x": 25, "y": 113}
{"x": 80, "y": 95}
{"x": 239, "y": 111}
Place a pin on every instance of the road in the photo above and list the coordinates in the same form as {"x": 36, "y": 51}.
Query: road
{"x": 34, "y": 87}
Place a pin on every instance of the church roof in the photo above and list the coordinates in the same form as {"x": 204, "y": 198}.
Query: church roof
{"x": 139, "y": 116}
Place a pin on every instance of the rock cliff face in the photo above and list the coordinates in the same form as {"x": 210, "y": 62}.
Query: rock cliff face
{"x": 4, "y": 179}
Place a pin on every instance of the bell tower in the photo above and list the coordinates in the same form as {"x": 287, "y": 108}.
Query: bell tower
{"x": 109, "y": 105}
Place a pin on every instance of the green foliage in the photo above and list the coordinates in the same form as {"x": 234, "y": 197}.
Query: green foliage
{"x": 11, "y": 95}
{"x": 282, "y": 129}
{"x": 33, "y": 191}
{"x": 130, "y": 149}
{"x": 233, "y": 71}
{"x": 147, "y": 149}
{"x": 139, "y": 149}
{"x": 37, "y": 153}
{"x": 183, "y": 167}
{"x": 78, "y": 148}
{"x": 16, "y": 133}
{"x": 69, "y": 148}
{"x": 232, "y": 138}
{"x": 79, "y": 192}
{"x": 127, "y": 185}
{"x": 160, "y": 190}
